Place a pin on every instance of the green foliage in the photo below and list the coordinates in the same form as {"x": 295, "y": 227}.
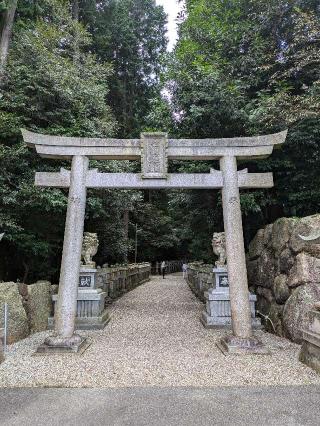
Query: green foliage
{"x": 250, "y": 67}
{"x": 157, "y": 236}
{"x": 44, "y": 89}
{"x": 129, "y": 34}
{"x": 58, "y": 81}
{"x": 32, "y": 219}
{"x": 241, "y": 67}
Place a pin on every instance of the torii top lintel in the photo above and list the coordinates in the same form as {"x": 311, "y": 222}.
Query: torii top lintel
{"x": 64, "y": 147}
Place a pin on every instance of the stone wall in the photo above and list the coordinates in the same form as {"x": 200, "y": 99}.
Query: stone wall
{"x": 200, "y": 278}
{"x": 284, "y": 272}
{"x": 117, "y": 280}
{"x": 31, "y": 305}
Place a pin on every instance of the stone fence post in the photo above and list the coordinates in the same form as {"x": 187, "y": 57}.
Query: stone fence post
{"x": 120, "y": 279}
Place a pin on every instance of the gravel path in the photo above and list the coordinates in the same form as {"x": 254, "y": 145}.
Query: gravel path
{"x": 155, "y": 338}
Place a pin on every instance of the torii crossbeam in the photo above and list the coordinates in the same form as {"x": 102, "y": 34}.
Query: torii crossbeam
{"x": 154, "y": 150}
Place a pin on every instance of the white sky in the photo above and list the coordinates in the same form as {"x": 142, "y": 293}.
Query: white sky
{"x": 172, "y": 8}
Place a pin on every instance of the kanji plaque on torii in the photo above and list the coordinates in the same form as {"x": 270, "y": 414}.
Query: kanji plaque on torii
{"x": 154, "y": 158}
{"x": 154, "y": 150}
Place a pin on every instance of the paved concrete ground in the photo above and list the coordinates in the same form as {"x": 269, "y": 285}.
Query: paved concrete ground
{"x": 155, "y": 364}
{"x": 259, "y": 406}
{"x": 155, "y": 338}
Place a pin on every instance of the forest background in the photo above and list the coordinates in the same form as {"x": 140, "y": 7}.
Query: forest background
{"x": 101, "y": 69}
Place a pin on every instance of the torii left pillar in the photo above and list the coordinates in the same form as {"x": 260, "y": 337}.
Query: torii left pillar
{"x": 64, "y": 338}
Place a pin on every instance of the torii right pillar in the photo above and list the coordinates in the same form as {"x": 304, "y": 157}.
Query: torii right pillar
{"x": 242, "y": 339}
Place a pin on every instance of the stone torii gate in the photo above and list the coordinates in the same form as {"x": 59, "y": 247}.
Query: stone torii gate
{"x": 154, "y": 150}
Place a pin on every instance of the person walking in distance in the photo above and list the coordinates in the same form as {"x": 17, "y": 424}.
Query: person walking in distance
{"x": 163, "y": 268}
{"x": 184, "y": 269}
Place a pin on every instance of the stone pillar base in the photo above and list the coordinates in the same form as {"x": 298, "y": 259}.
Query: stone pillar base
{"x": 218, "y": 307}
{"x": 86, "y": 323}
{"x": 63, "y": 347}
{"x": 232, "y": 345}
{"x": 212, "y": 322}
{"x": 91, "y": 314}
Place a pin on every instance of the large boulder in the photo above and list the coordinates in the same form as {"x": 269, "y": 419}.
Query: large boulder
{"x": 39, "y": 305}
{"x": 18, "y": 327}
{"x": 253, "y": 272}
{"x": 266, "y": 293}
{"x": 295, "y": 313}
{"x": 280, "y": 236}
{"x": 281, "y": 290}
{"x": 268, "y": 234}
{"x": 283, "y": 269}
{"x": 257, "y": 245}
{"x": 306, "y": 269}
{"x": 54, "y": 289}
{"x": 306, "y": 226}
{"x": 286, "y": 261}
{"x": 267, "y": 270}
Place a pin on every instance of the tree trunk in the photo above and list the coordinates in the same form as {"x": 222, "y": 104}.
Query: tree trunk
{"x": 75, "y": 10}
{"x": 76, "y": 17}
{"x": 6, "y": 30}
{"x": 126, "y": 233}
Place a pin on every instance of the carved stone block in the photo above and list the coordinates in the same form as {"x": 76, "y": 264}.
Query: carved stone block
{"x": 154, "y": 155}
{"x": 91, "y": 312}
{"x": 218, "y": 309}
